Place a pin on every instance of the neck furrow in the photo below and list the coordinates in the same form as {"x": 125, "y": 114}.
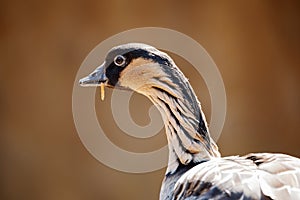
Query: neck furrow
{"x": 186, "y": 129}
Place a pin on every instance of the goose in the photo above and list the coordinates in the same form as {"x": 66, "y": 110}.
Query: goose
{"x": 195, "y": 168}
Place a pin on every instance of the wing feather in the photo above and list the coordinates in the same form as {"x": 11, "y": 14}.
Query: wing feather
{"x": 254, "y": 176}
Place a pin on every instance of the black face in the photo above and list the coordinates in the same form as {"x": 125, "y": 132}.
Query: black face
{"x": 115, "y": 68}
{"x": 118, "y": 59}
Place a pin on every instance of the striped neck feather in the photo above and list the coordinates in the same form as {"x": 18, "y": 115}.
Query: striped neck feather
{"x": 187, "y": 133}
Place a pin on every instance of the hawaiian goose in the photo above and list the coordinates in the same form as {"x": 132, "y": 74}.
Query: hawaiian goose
{"x": 195, "y": 169}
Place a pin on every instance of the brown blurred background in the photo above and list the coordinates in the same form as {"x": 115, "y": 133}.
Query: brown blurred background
{"x": 256, "y": 46}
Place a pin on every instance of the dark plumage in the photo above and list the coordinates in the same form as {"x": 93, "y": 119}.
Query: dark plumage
{"x": 195, "y": 168}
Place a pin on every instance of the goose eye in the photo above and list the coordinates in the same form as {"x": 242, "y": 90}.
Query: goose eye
{"x": 119, "y": 60}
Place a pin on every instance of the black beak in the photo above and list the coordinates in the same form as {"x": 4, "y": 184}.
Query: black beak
{"x": 95, "y": 78}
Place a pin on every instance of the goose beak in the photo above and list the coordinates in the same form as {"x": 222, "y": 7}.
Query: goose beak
{"x": 96, "y": 78}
